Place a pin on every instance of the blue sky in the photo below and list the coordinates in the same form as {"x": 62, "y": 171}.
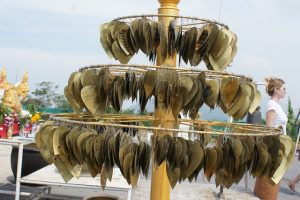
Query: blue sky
{"x": 50, "y": 39}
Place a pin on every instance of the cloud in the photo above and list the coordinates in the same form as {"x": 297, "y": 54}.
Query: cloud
{"x": 50, "y": 39}
{"x": 250, "y": 64}
{"x": 86, "y": 8}
{"x": 256, "y": 62}
{"x": 43, "y": 66}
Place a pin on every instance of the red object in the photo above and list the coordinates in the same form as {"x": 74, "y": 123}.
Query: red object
{"x": 28, "y": 127}
{"x": 16, "y": 128}
{"x": 3, "y": 131}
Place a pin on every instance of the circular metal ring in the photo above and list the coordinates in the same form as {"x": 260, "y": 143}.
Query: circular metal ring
{"x": 123, "y": 121}
{"x": 121, "y": 69}
{"x": 184, "y": 21}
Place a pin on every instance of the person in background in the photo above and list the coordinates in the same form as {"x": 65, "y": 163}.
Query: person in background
{"x": 255, "y": 117}
{"x": 275, "y": 117}
{"x": 292, "y": 183}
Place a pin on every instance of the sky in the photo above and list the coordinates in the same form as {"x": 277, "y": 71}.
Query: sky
{"x": 50, "y": 39}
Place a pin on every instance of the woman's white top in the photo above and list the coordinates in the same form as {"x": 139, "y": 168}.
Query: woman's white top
{"x": 281, "y": 118}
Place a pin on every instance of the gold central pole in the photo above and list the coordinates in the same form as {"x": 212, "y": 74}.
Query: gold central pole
{"x": 160, "y": 186}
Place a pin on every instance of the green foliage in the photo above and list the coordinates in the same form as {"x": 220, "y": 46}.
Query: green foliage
{"x": 32, "y": 108}
{"x": 45, "y": 93}
{"x": 23, "y": 121}
{"x": 290, "y": 109}
{"x": 127, "y": 111}
{"x": 145, "y": 112}
{"x": 61, "y": 102}
{"x": 146, "y": 123}
{"x": 4, "y": 110}
{"x": 45, "y": 97}
{"x": 30, "y": 100}
{"x": 110, "y": 110}
{"x": 291, "y": 119}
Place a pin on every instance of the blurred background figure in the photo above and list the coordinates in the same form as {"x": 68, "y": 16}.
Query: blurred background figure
{"x": 255, "y": 117}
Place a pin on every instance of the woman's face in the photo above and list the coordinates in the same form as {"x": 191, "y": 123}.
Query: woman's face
{"x": 281, "y": 91}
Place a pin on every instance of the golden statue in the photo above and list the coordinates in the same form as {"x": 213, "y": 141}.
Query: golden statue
{"x": 13, "y": 95}
{"x": 23, "y": 87}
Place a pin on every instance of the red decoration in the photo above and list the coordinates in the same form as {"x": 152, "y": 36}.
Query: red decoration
{"x": 28, "y": 127}
{"x": 16, "y": 128}
{"x": 3, "y": 131}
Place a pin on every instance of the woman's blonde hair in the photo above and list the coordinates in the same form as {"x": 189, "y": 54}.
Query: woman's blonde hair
{"x": 272, "y": 83}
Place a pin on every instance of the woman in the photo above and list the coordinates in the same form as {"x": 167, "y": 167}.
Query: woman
{"x": 275, "y": 117}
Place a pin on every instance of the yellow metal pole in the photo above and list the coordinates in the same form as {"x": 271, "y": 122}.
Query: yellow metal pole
{"x": 167, "y": 7}
{"x": 160, "y": 186}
